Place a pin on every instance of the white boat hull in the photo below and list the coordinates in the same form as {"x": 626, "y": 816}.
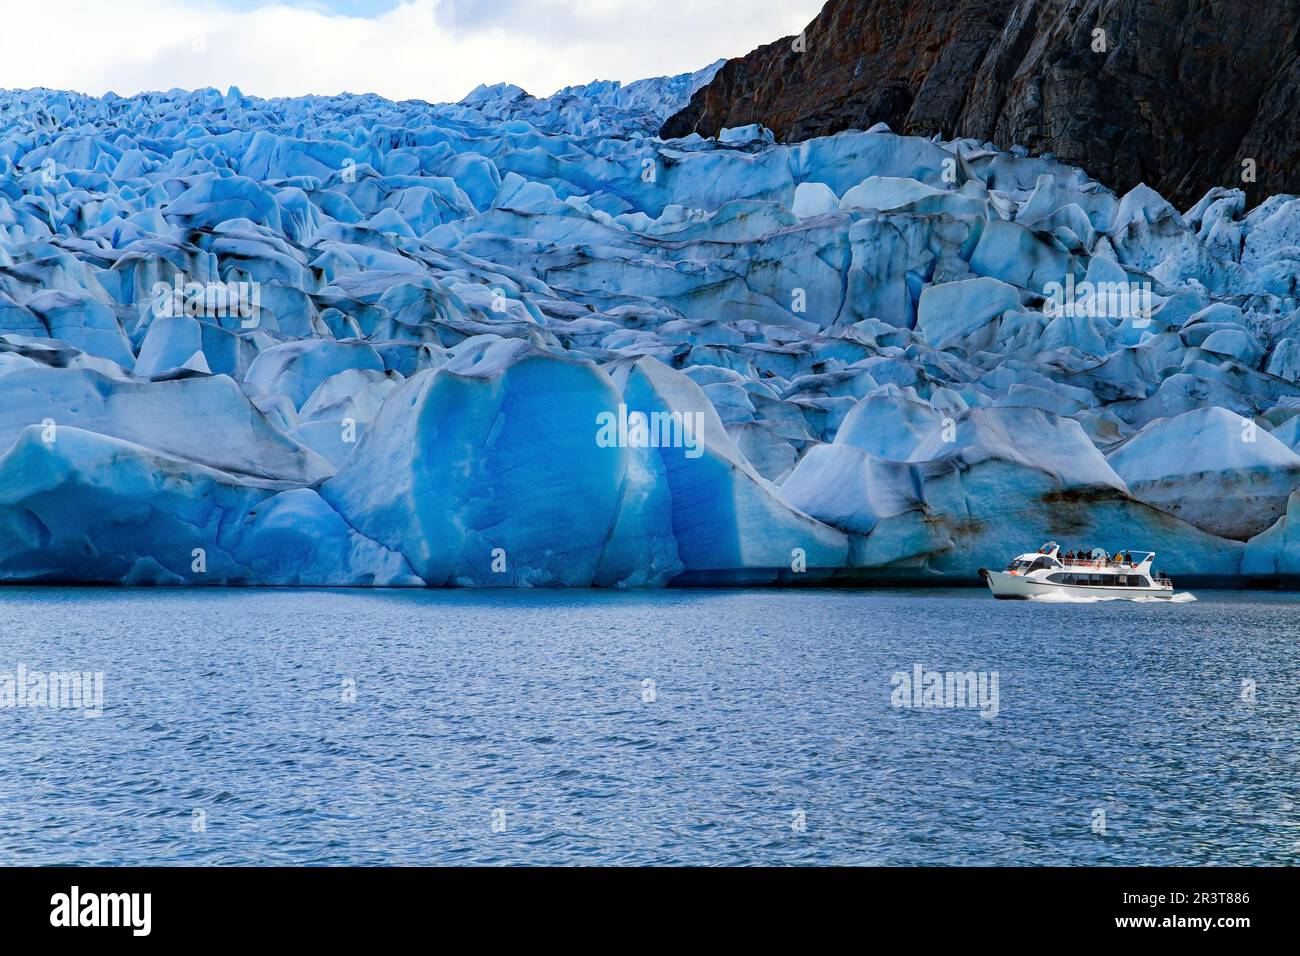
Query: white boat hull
{"x": 1009, "y": 586}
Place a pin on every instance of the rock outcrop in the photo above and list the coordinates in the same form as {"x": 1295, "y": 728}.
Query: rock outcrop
{"x": 1174, "y": 94}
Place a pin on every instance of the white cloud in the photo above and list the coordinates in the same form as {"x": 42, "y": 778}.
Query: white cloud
{"x": 418, "y": 50}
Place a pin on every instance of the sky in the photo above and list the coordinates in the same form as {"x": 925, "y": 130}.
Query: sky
{"x": 436, "y": 50}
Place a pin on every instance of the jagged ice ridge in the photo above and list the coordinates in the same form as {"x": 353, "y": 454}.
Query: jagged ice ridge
{"x": 387, "y": 334}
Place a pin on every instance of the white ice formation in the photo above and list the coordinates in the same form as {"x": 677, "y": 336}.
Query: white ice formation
{"x": 515, "y": 341}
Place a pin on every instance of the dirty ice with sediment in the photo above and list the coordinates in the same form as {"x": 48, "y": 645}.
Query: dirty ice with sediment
{"x": 867, "y": 331}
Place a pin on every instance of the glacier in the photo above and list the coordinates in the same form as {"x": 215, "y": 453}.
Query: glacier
{"x": 345, "y": 341}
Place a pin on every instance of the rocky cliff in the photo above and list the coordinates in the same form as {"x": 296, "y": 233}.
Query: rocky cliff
{"x": 1179, "y": 94}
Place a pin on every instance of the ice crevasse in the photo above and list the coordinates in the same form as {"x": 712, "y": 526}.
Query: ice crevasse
{"x": 525, "y": 342}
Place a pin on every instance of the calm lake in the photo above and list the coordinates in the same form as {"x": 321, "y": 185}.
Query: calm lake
{"x": 665, "y": 727}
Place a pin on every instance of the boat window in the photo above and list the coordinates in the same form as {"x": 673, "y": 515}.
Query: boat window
{"x": 1140, "y": 582}
{"x": 1039, "y": 564}
{"x": 1108, "y": 580}
{"x": 1018, "y": 565}
{"x": 1059, "y": 578}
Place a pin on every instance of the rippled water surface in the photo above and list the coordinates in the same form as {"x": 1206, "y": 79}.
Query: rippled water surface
{"x": 495, "y": 727}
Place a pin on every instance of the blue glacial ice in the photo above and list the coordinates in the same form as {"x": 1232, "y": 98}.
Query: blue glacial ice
{"x": 524, "y": 342}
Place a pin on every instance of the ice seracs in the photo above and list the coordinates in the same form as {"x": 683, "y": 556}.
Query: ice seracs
{"x": 1190, "y": 465}
{"x": 894, "y": 354}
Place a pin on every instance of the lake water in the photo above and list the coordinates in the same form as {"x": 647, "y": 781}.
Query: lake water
{"x": 438, "y": 727}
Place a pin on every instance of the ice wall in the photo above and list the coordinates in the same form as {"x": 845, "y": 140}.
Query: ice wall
{"x": 519, "y": 341}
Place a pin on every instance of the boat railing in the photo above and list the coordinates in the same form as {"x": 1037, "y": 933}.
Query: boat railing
{"x": 1103, "y": 565}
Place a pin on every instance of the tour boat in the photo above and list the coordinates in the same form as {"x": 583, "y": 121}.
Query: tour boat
{"x": 1096, "y": 574}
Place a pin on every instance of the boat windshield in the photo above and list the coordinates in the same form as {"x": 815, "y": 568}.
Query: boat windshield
{"x": 1019, "y": 565}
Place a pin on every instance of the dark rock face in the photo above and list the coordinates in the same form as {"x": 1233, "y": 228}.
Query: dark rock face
{"x": 1181, "y": 95}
